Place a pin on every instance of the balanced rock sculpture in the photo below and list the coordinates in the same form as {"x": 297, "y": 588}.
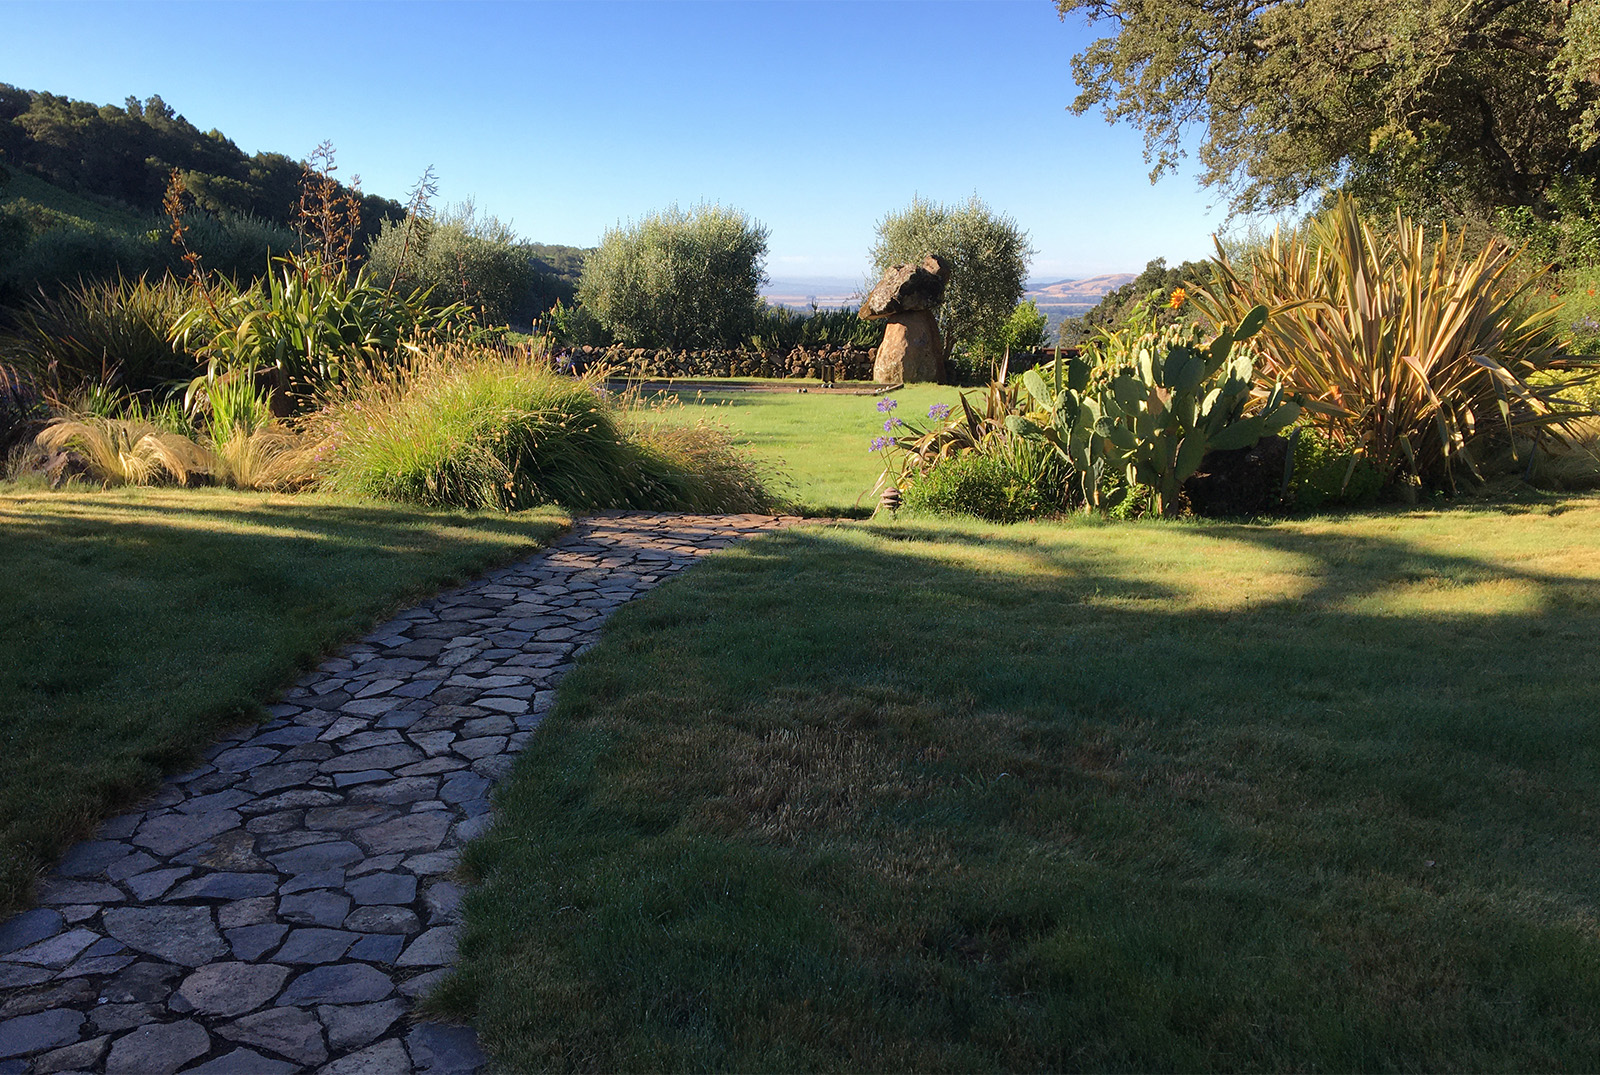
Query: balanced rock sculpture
{"x": 907, "y": 297}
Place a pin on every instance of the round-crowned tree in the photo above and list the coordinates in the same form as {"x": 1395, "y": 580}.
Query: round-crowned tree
{"x": 461, "y": 257}
{"x": 988, "y": 255}
{"x": 678, "y": 279}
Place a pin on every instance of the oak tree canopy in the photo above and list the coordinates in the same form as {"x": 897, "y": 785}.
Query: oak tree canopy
{"x": 1435, "y": 106}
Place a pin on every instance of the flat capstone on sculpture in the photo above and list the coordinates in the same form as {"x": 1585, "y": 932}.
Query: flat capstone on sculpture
{"x": 280, "y": 907}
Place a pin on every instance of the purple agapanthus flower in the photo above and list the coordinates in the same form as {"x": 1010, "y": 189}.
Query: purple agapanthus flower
{"x": 939, "y": 410}
{"x": 890, "y": 424}
{"x": 887, "y": 405}
{"x": 879, "y": 443}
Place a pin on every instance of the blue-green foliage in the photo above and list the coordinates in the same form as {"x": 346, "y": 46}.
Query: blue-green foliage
{"x": 1169, "y": 399}
{"x": 461, "y": 256}
{"x": 678, "y": 279}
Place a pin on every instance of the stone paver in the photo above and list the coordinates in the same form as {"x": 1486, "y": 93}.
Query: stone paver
{"x": 280, "y": 907}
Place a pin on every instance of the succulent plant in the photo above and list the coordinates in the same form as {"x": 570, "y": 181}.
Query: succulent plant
{"x": 1156, "y": 419}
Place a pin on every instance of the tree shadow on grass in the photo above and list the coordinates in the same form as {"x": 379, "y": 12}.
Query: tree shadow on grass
{"x": 946, "y": 797}
{"x": 136, "y": 632}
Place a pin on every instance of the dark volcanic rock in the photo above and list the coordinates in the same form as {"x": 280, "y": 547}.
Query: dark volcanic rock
{"x": 1240, "y": 481}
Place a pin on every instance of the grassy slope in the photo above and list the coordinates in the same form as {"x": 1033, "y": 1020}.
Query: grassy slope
{"x": 1315, "y": 795}
{"x": 138, "y": 624}
{"x": 820, "y": 441}
{"x": 38, "y": 191}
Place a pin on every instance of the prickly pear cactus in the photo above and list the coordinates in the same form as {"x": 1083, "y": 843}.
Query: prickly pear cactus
{"x": 1157, "y": 418}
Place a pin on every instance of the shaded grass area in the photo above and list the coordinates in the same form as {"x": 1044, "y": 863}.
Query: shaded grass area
{"x": 84, "y": 210}
{"x": 137, "y": 625}
{"x": 820, "y": 441}
{"x": 940, "y": 796}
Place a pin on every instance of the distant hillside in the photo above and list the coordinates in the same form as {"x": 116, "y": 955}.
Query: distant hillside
{"x": 22, "y": 187}
{"x": 1062, "y": 300}
{"x": 125, "y": 155}
{"x": 1089, "y": 290}
{"x": 81, "y": 198}
{"x": 556, "y": 260}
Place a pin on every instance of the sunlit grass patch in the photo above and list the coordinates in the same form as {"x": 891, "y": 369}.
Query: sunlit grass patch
{"x": 821, "y": 441}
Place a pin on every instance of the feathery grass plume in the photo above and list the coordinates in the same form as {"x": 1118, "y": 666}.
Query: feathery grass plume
{"x": 1407, "y": 351}
{"x": 126, "y": 451}
{"x": 699, "y": 468}
{"x": 249, "y": 447}
{"x": 271, "y": 457}
{"x": 471, "y": 428}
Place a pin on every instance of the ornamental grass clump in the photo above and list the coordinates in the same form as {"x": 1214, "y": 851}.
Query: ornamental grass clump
{"x": 126, "y": 451}
{"x": 482, "y": 428}
{"x": 117, "y": 333}
{"x": 698, "y": 468}
{"x": 250, "y": 447}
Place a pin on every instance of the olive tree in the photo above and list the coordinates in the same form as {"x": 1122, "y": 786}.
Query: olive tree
{"x": 678, "y": 279}
{"x": 461, "y": 256}
{"x": 988, "y": 256}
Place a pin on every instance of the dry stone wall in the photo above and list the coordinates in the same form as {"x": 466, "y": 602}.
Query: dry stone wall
{"x": 839, "y": 364}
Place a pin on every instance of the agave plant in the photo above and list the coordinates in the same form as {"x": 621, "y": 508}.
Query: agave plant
{"x": 1161, "y": 402}
{"x": 1403, "y": 351}
{"x": 970, "y": 427}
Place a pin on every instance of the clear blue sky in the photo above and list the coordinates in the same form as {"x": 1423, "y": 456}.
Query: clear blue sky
{"x": 565, "y": 118}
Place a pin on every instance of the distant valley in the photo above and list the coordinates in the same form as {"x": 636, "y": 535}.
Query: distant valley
{"x": 1089, "y": 290}
{"x": 1057, "y": 299}
{"x": 1061, "y": 299}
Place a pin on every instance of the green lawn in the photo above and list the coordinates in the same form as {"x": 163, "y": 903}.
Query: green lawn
{"x": 821, "y": 442}
{"x": 139, "y": 624}
{"x": 937, "y": 796}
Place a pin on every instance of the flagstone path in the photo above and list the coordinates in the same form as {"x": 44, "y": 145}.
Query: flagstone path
{"x": 279, "y": 908}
